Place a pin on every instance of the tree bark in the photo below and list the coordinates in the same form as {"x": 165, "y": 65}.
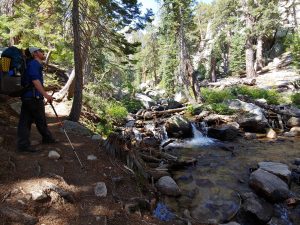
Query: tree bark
{"x": 249, "y": 42}
{"x": 77, "y": 101}
{"x": 213, "y": 65}
{"x": 259, "y": 54}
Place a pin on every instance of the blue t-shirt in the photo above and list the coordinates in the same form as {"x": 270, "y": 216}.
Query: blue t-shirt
{"x": 34, "y": 71}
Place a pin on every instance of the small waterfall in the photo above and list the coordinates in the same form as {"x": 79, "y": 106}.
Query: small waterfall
{"x": 164, "y": 133}
{"x": 199, "y": 139}
{"x": 137, "y": 134}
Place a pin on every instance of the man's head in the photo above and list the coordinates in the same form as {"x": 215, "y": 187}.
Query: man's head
{"x": 37, "y": 53}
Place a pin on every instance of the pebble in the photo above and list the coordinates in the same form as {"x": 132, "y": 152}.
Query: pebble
{"x": 100, "y": 189}
{"x": 53, "y": 155}
{"x": 92, "y": 157}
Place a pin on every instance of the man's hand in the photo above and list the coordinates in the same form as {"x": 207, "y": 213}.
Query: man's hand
{"x": 49, "y": 98}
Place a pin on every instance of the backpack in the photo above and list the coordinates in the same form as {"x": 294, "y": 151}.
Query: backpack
{"x": 12, "y": 71}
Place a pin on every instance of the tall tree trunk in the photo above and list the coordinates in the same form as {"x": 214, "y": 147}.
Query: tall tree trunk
{"x": 213, "y": 64}
{"x": 77, "y": 101}
{"x": 249, "y": 42}
{"x": 259, "y": 54}
{"x": 187, "y": 73}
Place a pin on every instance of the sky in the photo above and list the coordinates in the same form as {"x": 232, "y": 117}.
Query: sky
{"x": 154, "y": 5}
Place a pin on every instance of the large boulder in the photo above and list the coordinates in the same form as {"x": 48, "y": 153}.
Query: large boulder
{"x": 269, "y": 186}
{"x": 293, "y": 122}
{"x": 146, "y": 101}
{"x": 279, "y": 169}
{"x": 167, "y": 186}
{"x": 253, "y": 120}
{"x": 223, "y": 133}
{"x": 76, "y": 128}
{"x": 255, "y": 210}
{"x": 179, "y": 127}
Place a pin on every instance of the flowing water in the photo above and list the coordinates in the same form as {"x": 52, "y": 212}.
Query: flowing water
{"x": 211, "y": 188}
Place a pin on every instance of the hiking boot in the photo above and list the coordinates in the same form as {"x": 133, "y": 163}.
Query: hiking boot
{"x": 49, "y": 141}
{"x": 27, "y": 149}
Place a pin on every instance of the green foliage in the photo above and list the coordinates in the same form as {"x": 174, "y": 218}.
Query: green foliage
{"x": 296, "y": 99}
{"x": 237, "y": 59}
{"x": 272, "y": 96}
{"x": 216, "y": 96}
{"x": 193, "y": 109}
{"x": 292, "y": 42}
{"x": 132, "y": 105}
{"x": 221, "y": 108}
{"x": 116, "y": 112}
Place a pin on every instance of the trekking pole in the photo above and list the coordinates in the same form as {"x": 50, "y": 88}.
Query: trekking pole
{"x": 62, "y": 126}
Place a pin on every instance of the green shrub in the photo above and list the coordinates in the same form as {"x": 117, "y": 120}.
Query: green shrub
{"x": 220, "y": 108}
{"x": 216, "y": 96}
{"x": 193, "y": 109}
{"x": 296, "y": 99}
{"x": 292, "y": 43}
{"x": 132, "y": 105}
{"x": 116, "y": 112}
{"x": 271, "y": 96}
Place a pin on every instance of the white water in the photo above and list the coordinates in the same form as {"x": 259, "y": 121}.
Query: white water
{"x": 198, "y": 140}
{"x": 137, "y": 134}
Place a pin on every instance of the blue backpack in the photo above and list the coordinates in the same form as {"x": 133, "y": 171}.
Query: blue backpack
{"x": 13, "y": 66}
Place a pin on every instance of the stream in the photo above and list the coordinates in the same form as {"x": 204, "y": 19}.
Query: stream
{"x": 211, "y": 188}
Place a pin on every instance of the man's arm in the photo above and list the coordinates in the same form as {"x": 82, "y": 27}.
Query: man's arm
{"x": 37, "y": 84}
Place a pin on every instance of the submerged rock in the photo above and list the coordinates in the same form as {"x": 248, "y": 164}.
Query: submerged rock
{"x": 269, "y": 186}
{"x": 100, "y": 189}
{"x": 179, "y": 127}
{"x": 279, "y": 169}
{"x": 255, "y": 210}
{"x": 168, "y": 186}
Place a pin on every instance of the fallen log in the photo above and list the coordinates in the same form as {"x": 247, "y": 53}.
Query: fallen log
{"x": 155, "y": 114}
{"x": 223, "y": 84}
{"x": 276, "y": 109}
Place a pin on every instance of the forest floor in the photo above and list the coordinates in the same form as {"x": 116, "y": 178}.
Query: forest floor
{"x": 65, "y": 193}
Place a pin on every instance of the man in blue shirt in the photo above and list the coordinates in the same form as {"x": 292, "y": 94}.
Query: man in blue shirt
{"x": 33, "y": 108}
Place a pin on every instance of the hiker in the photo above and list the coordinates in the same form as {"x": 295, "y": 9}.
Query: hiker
{"x": 33, "y": 108}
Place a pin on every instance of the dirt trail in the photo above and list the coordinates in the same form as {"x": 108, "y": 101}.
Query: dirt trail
{"x": 69, "y": 196}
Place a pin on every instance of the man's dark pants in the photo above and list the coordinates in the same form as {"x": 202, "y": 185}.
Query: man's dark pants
{"x": 32, "y": 110}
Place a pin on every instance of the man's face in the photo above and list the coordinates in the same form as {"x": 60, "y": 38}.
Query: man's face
{"x": 40, "y": 54}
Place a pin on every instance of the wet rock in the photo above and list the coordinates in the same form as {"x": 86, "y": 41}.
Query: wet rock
{"x": 172, "y": 104}
{"x": 297, "y": 161}
{"x": 53, "y": 155}
{"x": 224, "y": 133}
{"x": 76, "y": 128}
{"x": 96, "y": 137}
{"x": 289, "y": 134}
{"x": 280, "y": 216}
{"x": 214, "y": 211}
{"x": 231, "y": 223}
{"x": 100, "y": 189}
{"x": 293, "y": 122}
{"x": 148, "y": 115}
{"x": 296, "y": 130}
{"x": 271, "y": 133}
{"x": 250, "y": 136}
{"x": 130, "y": 123}
{"x": 269, "y": 186}
{"x": 255, "y": 210}
{"x": 168, "y": 186}
{"x": 1, "y": 140}
{"x": 146, "y": 101}
{"x": 92, "y": 157}
{"x": 179, "y": 127}
{"x": 279, "y": 169}
{"x": 150, "y": 142}
{"x": 17, "y": 216}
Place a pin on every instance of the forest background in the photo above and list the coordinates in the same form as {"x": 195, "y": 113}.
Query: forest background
{"x": 112, "y": 48}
